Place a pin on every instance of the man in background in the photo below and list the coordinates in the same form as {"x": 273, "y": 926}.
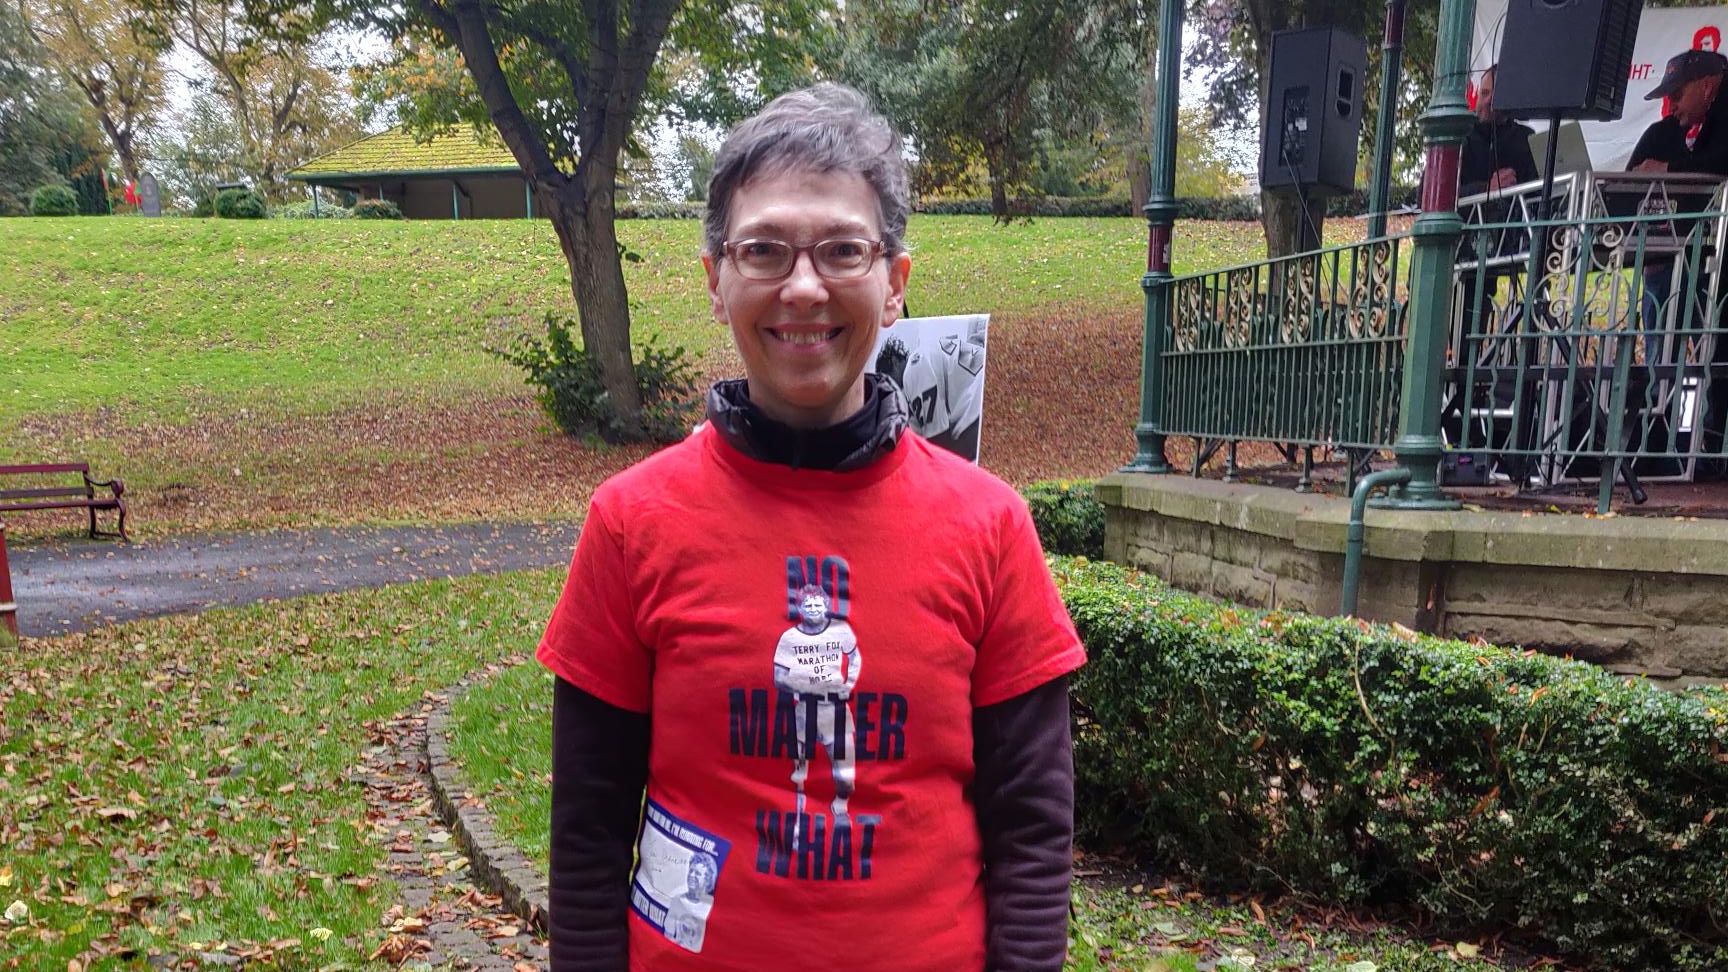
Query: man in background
{"x": 1693, "y": 137}
{"x": 1496, "y": 153}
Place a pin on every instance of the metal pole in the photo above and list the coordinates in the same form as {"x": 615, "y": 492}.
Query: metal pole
{"x": 528, "y": 198}
{"x": 8, "y": 607}
{"x": 1446, "y": 122}
{"x": 313, "y": 187}
{"x": 1160, "y": 210}
{"x": 1391, "y": 74}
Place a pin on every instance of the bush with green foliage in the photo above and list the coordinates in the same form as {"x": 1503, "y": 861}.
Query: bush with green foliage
{"x": 657, "y": 209}
{"x": 1233, "y": 209}
{"x": 233, "y": 203}
{"x": 53, "y": 200}
{"x": 1031, "y": 206}
{"x": 1068, "y": 515}
{"x": 1357, "y": 762}
{"x": 572, "y": 394}
{"x": 305, "y": 210}
{"x": 1356, "y": 203}
{"x": 376, "y": 209}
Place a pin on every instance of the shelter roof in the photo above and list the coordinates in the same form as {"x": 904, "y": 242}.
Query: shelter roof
{"x": 395, "y": 153}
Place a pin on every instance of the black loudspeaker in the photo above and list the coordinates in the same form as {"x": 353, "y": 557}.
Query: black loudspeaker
{"x": 1566, "y": 57}
{"x": 1313, "y": 110}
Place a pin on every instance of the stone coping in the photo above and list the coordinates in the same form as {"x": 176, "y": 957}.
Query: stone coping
{"x": 494, "y": 863}
{"x": 1320, "y": 523}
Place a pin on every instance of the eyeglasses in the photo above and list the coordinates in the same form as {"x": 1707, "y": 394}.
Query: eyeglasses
{"x": 840, "y": 258}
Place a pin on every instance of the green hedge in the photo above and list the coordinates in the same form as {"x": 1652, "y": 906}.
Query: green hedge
{"x": 1039, "y": 206}
{"x": 1069, "y": 518}
{"x": 1356, "y": 762}
{"x": 240, "y": 204}
{"x": 53, "y": 200}
{"x": 306, "y": 210}
{"x": 1356, "y": 203}
{"x": 655, "y": 209}
{"x": 375, "y": 209}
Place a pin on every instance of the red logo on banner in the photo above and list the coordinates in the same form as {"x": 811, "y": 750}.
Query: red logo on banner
{"x": 1707, "y": 39}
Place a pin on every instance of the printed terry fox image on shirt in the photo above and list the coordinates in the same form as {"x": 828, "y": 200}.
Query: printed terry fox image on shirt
{"x": 817, "y": 661}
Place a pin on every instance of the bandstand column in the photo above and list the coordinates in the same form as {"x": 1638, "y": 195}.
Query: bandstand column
{"x": 1437, "y": 232}
{"x": 1160, "y": 210}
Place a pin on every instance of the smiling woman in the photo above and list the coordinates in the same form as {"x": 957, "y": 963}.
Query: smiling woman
{"x": 824, "y": 723}
{"x": 804, "y": 331}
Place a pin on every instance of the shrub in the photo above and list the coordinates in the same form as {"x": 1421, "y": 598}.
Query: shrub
{"x": 1069, "y": 518}
{"x": 235, "y": 203}
{"x": 53, "y": 200}
{"x": 571, "y": 391}
{"x": 1032, "y": 206}
{"x": 377, "y": 209}
{"x": 1356, "y": 203}
{"x": 1353, "y": 761}
{"x": 304, "y": 210}
{"x": 655, "y": 209}
{"x": 1223, "y": 208}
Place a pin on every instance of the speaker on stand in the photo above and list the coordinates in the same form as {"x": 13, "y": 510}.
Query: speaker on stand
{"x": 1313, "y": 114}
{"x": 1564, "y": 59}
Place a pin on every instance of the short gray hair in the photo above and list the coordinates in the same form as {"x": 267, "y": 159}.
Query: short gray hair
{"x": 827, "y": 127}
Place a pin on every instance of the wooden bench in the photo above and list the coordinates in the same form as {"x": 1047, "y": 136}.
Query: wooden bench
{"x": 68, "y": 497}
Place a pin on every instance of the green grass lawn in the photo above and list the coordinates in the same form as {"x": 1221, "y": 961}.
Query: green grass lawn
{"x": 155, "y": 317}
{"x": 169, "y": 785}
{"x": 500, "y": 737}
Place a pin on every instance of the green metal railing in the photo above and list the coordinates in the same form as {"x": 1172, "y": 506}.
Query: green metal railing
{"x": 1590, "y": 355}
{"x": 1306, "y": 350}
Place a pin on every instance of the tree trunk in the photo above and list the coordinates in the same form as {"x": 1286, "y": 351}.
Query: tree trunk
{"x": 1288, "y": 228}
{"x": 589, "y": 238}
{"x": 124, "y": 148}
{"x": 1139, "y": 180}
{"x": 1140, "y": 156}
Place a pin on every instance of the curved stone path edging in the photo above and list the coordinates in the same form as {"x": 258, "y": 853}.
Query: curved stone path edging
{"x": 494, "y": 863}
{"x": 444, "y": 919}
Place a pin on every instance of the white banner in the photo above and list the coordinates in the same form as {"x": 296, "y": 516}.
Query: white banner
{"x": 1662, "y": 33}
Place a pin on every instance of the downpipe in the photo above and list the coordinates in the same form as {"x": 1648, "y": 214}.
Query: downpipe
{"x": 1354, "y": 539}
{"x": 8, "y": 607}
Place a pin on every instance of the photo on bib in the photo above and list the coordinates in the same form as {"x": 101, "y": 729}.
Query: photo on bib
{"x": 677, "y": 873}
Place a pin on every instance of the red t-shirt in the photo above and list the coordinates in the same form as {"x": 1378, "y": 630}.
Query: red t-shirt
{"x": 790, "y": 823}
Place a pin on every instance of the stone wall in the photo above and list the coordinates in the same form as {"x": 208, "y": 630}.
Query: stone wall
{"x": 1634, "y": 594}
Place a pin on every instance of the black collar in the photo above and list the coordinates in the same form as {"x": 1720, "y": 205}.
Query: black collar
{"x": 854, "y": 443}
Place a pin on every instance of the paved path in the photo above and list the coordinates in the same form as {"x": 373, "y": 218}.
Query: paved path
{"x": 72, "y": 586}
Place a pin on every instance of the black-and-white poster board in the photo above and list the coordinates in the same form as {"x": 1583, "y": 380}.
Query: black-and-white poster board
{"x": 938, "y": 362}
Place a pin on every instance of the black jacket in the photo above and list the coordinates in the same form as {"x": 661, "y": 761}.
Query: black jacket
{"x": 1490, "y": 148}
{"x": 1665, "y": 141}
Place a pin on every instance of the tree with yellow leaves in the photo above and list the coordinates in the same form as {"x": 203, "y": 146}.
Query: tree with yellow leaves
{"x": 112, "y": 54}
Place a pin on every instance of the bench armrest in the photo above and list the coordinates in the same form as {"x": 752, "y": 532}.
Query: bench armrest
{"x": 115, "y": 484}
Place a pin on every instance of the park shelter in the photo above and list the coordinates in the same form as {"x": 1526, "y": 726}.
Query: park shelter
{"x": 455, "y": 175}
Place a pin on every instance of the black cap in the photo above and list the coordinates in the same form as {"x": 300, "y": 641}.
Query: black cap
{"x": 1688, "y": 66}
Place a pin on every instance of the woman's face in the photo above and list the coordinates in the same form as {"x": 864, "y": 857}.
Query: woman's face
{"x": 805, "y": 338}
